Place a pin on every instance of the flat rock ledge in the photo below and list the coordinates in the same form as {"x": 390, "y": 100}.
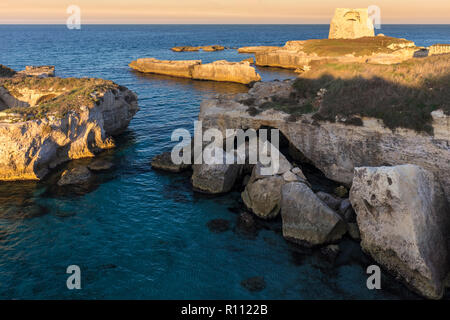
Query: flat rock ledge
{"x": 239, "y": 72}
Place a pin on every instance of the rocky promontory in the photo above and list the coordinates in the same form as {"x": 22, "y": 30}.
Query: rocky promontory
{"x": 384, "y": 135}
{"x": 301, "y": 54}
{"x": 239, "y": 72}
{"x": 47, "y": 121}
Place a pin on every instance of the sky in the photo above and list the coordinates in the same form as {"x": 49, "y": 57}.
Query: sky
{"x": 216, "y": 11}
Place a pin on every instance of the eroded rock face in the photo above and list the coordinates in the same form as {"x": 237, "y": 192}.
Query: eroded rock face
{"x": 306, "y": 218}
{"x": 164, "y": 162}
{"x": 403, "y": 218}
{"x": 351, "y": 24}
{"x": 239, "y": 72}
{"x": 38, "y": 71}
{"x": 176, "y": 68}
{"x": 337, "y": 148}
{"x": 215, "y": 178}
{"x": 33, "y": 144}
{"x": 439, "y": 49}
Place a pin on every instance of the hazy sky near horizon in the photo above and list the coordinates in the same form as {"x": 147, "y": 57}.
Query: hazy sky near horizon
{"x": 217, "y": 11}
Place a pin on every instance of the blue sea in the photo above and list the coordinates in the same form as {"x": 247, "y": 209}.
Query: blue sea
{"x": 141, "y": 234}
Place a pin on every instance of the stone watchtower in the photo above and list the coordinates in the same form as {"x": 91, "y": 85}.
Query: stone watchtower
{"x": 351, "y": 24}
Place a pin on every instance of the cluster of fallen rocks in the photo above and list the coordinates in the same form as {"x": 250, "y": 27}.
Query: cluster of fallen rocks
{"x": 400, "y": 213}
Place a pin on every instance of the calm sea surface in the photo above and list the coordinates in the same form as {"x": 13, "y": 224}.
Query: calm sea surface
{"x": 141, "y": 234}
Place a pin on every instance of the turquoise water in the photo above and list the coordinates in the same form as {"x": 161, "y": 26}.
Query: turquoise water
{"x": 141, "y": 234}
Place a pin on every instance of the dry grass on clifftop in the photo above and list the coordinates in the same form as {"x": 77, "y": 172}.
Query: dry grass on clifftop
{"x": 402, "y": 95}
{"x": 358, "y": 47}
{"x": 76, "y": 92}
{"x": 6, "y": 72}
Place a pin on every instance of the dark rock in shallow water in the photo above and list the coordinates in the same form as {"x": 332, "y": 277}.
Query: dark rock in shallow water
{"x": 218, "y": 225}
{"x": 65, "y": 214}
{"x": 330, "y": 252}
{"x": 246, "y": 225}
{"x": 108, "y": 266}
{"x": 77, "y": 175}
{"x": 254, "y": 284}
{"x": 100, "y": 165}
{"x": 23, "y": 212}
{"x": 164, "y": 162}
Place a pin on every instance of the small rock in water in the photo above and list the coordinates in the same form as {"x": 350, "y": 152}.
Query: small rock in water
{"x": 330, "y": 252}
{"x": 254, "y": 284}
{"x": 164, "y": 162}
{"x": 108, "y": 266}
{"x": 65, "y": 214}
{"x": 218, "y": 225}
{"x": 78, "y": 175}
{"x": 341, "y": 192}
{"x": 246, "y": 225}
{"x": 100, "y": 165}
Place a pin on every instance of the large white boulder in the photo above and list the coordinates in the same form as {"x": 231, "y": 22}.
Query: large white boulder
{"x": 403, "y": 216}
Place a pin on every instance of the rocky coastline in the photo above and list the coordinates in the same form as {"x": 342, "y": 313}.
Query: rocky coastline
{"x": 391, "y": 162}
{"x": 399, "y": 189}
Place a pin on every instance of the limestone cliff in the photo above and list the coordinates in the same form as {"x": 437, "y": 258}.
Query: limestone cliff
{"x": 439, "y": 49}
{"x": 239, "y": 72}
{"x": 44, "y": 122}
{"x": 300, "y": 54}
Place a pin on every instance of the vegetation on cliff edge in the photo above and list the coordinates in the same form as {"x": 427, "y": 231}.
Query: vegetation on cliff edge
{"x": 59, "y": 95}
{"x": 365, "y": 46}
{"x": 402, "y": 95}
{"x": 6, "y": 72}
